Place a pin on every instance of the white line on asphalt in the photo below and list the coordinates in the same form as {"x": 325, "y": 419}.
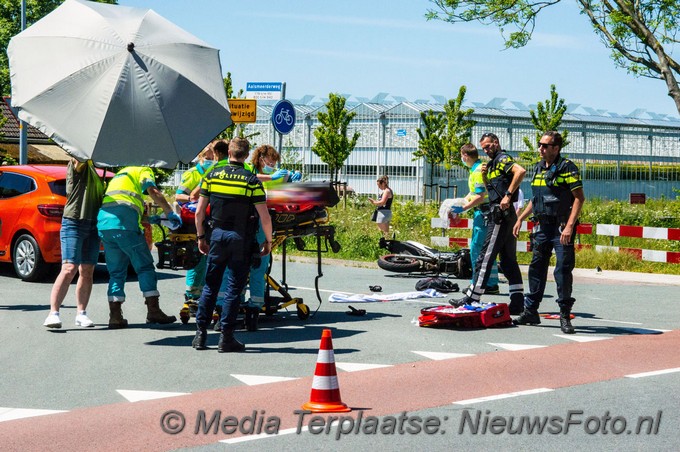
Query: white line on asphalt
{"x": 654, "y": 373}
{"x": 312, "y": 289}
{"x": 441, "y": 301}
{"x": 241, "y": 439}
{"x": 503, "y": 396}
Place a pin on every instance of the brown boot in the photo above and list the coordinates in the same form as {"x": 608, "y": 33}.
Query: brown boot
{"x": 116, "y": 320}
{"x": 154, "y": 313}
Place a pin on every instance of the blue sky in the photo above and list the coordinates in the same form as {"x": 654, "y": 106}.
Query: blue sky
{"x": 362, "y": 48}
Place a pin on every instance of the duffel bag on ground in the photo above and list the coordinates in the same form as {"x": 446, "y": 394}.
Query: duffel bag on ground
{"x": 485, "y": 315}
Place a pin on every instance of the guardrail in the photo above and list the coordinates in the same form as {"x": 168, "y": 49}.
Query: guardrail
{"x": 610, "y": 230}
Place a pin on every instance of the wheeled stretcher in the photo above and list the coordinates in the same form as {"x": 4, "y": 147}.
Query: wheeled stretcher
{"x": 297, "y": 211}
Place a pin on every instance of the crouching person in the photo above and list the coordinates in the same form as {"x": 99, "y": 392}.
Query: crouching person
{"x": 120, "y": 228}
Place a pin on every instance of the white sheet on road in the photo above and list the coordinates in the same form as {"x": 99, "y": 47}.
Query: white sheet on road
{"x": 340, "y": 297}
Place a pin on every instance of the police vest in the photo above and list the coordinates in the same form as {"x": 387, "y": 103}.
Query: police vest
{"x": 233, "y": 192}
{"x": 499, "y": 177}
{"x": 552, "y": 188}
{"x": 125, "y": 188}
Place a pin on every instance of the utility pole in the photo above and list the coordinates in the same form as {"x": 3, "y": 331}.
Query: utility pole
{"x": 23, "y": 145}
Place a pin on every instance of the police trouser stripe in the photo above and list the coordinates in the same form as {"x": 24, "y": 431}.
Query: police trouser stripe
{"x": 516, "y": 288}
{"x": 485, "y": 267}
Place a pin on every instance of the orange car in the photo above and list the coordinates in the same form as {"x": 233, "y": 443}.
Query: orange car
{"x": 32, "y": 199}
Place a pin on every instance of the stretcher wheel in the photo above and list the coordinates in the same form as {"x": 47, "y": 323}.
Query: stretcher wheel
{"x": 302, "y": 311}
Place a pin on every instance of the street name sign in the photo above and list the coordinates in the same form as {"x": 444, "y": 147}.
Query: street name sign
{"x": 264, "y": 90}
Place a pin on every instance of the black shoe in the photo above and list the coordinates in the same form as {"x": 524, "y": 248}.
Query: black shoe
{"x": 461, "y": 301}
{"x": 516, "y": 306}
{"x": 565, "y": 322}
{"x": 492, "y": 290}
{"x": 527, "y": 318}
{"x": 229, "y": 344}
{"x": 200, "y": 339}
{"x": 252, "y": 315}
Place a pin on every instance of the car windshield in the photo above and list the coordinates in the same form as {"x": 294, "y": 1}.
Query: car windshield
{"x": 58, "y": 187}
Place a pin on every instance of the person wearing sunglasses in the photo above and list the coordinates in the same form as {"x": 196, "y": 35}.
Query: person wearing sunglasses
{"x": 556, "y": 202}
{"x": 502, "y": 176}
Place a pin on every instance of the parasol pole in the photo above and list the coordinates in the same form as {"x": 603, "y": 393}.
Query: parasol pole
{"x": 23, "y": 145}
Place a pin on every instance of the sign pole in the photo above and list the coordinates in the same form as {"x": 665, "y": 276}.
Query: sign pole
{"x": 23, "y": 145}
{"x": 283, "y": 96}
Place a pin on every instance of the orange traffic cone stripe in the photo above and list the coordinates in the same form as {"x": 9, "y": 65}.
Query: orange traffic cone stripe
{"x": 325, "y": 395}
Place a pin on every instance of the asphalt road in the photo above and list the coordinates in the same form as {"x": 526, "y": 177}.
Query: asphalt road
{"x": 86, "y": 370}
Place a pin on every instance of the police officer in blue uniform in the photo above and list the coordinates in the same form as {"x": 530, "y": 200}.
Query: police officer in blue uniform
{"x": 502, "y": 176}
{"x": 557, "y": 199}
{"x": 237, "y": 203}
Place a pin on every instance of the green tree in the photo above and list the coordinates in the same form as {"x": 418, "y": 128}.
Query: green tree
{"x": 332, "y": 145}
{"x": 458, "y": 130}
{"x": 10, "y": 25}
{"x": 430, "y": 143}
{"x": 547, "y": 116}
{"x": 291, "y": 158}
{"x": 641, "y": 34}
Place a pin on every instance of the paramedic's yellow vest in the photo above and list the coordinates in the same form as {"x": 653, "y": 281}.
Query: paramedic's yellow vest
{"x": 126, "y": 189}
{"x": 190, "y": 180}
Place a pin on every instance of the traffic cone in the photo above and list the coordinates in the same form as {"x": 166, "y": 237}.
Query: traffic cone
{"x": 325, "y": 397}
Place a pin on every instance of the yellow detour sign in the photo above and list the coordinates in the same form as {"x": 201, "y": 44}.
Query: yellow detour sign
{"x": 243, "y": 110}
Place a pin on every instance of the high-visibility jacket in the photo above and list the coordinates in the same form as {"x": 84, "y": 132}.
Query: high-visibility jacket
{"x": 126, "y": 189}
{"x": 477, "y": 186}
{"x": 191, "y": 178}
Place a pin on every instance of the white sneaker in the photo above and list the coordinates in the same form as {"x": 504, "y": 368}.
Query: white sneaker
{"x": 82, "y": 320}
{"x": 53, "y": 320}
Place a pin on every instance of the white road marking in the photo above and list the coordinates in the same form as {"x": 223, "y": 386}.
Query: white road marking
{"x": 136, "y": 396}
{"x": 576, "y": 338}
{"x": 10, "y": 414}
{"x": 313, "y": 289}
{"x": 516, "y": 347}
{"x": 244, "y": 438}
{"x": 252, "y": 380}
{"x": 356, "y": 367}
{"x": 654, "y": 373}
{"x": 503, "y": 396}
{"x": 438, "y": 356}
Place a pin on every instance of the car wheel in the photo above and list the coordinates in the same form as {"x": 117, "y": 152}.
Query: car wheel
{"x": 29, "y": 264}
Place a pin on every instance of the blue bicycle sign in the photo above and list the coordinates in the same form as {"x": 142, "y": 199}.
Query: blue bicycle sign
{"x": 283, "y": 117}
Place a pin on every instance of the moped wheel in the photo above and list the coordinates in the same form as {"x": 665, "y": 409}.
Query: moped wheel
{"x": 398, "y": 264}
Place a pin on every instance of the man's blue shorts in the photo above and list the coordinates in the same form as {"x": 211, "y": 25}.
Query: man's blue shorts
{"x": 79, "y": 241}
